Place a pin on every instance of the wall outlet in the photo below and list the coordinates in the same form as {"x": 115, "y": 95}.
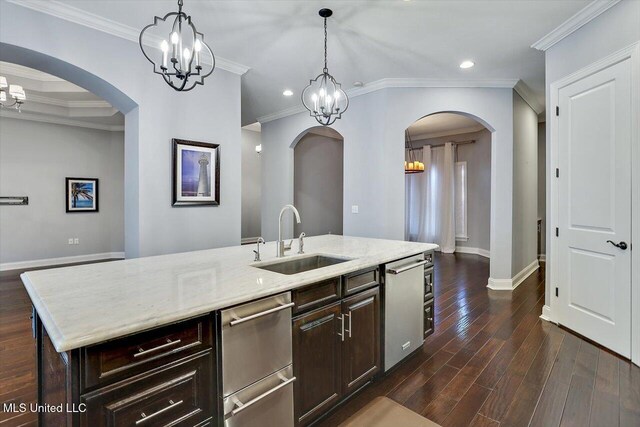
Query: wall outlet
{"x": 76, "y": 241}
{"x": 354, "y": 209}
{"x": 71, "y": 241}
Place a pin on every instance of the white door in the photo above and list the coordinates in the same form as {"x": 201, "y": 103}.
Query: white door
{"x": 594, "y": 207}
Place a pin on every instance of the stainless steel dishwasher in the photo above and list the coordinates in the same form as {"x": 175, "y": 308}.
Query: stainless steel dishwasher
{"x": 403, "y": 308}
{"x": 257, "y": 372}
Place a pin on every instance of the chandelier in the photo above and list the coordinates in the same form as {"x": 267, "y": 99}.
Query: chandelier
{"x": 411, "y": 162}
{"x": 185, "y": 59}
{"x": 16, "y": 95}
{"x": 324, "y": 98}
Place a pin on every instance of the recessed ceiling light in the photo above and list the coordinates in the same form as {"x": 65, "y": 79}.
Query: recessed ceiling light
{"x": 358, "y": 83}
{"x": 287, "y": 92}
{"x": 467, "y": 64}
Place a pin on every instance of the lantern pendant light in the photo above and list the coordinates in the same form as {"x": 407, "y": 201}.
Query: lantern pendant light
{"x": 411, "y": 162}
{"x": 184, "y": 60}
{"x": 324, "y": 97}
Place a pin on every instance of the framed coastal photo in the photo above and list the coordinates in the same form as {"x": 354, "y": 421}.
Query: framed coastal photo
{"x": 196, "y": 173}
{"x": 82, "y": 195}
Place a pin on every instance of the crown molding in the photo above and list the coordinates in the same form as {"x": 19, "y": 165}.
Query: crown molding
{"x": 584, "y": 16}
{"x": 34, "y": 117}
{"x": 68, "y": 104}
{"x": 109, "y": 26}
{"x": 459, "y": 131}
{"x": 28, "y": 73}
{"x": 529, "y": 97}
{"x": 403, "y": 83}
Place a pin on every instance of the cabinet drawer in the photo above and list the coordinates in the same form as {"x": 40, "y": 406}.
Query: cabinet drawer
{"x": 428, "y": 319}
{"x": 316, "y": 295}
{"x": 428, "y": 284}
{"x": 360, "y": 280}
{"x": 256, "y": 341}
{"x": 179, "y": 395}
{"x": 114, "y": 360}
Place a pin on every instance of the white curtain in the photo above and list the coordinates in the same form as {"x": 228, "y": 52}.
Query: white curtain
{"x": 430, "y": 201}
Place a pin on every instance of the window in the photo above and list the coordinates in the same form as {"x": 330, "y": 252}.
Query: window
{"x": 460, "y": 178}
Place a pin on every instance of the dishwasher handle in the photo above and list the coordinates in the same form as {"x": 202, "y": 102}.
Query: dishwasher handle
{"x": 262, "y": 313}
{"x": 406, "y": 267}
{"x": 242, "y": 406}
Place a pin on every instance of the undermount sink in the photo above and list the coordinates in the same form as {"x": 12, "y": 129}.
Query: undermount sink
{"x": 299, "y": 265}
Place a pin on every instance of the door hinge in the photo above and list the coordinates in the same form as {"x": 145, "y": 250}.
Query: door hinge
{"x": 557, "y": 232}
{"x": 557, "y": 110}
{"x": 556, "y": 291}
{"x": 557, "y": 173}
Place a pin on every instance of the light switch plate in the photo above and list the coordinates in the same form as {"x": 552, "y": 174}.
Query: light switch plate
{"x": 354, "y": 209}
{"x": 76, "y": 241}
{"x": 71, "y": 241}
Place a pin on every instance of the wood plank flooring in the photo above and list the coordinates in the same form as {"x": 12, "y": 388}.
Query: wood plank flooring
{"x": 493, "y": 362}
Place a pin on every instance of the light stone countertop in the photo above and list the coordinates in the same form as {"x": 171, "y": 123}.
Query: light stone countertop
{"x": 88, "y": 304}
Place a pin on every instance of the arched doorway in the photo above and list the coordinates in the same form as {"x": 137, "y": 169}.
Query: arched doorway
{"x": 318, "y": 181}
{"x": 449, "y": 203}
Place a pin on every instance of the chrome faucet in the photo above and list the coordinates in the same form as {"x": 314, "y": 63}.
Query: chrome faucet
{"x": 301, "y": 243}
{"x": 257, "y": 251}
{"x": 282, "y": 248}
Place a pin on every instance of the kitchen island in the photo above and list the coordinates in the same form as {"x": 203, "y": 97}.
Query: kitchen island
{"x": 137, "y": 341}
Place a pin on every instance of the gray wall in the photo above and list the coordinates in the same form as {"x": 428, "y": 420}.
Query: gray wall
{"x": 318, "y": 184}
{"x": 373, "y": 131}
{"x": 154, "y": 114}
{"x": 615, "y": 29}
{"x": 251, "y": 184}
{"x": 542, "y": 185}
{"x": 478, "y": 158}
{"x": 35, "y": 158}
{"x": 525, "y": 185}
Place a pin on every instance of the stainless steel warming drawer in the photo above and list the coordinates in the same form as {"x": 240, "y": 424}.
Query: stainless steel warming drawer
{"x": 256, "y": 350}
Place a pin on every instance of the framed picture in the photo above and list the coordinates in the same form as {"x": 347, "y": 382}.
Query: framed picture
{"x": 196, "y": 173}
{"x": 82, "y": 194}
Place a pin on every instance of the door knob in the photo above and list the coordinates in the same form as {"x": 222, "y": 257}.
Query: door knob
{"x": 621, "y": 245}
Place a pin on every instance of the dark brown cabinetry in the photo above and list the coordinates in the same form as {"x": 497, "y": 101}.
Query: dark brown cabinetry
{"x": 336, "y": 348}
{"x": 317, "y": 361}
{"x": 429, "y": 296}
{"x": 164, "y": 376}
{"x": 361, "y": 355}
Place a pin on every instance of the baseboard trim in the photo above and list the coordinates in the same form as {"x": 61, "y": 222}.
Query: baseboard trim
{"x": 511, "y": 284}
{"x": 21, "y": 265}
{"x": 546, "y": 313}
{"x": 475, "y": 251}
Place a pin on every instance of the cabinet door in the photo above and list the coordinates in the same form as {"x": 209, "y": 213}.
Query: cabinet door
{"x": 316, "y": 362}
{"x": 361, "y": 345}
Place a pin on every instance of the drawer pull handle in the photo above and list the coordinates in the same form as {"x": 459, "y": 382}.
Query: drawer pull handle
{"x": 242, "y": 406}
{"x": 144, "y": 417}
{"x": 406, "y": 267}
{"x": 262, "y": 313}
{"x": 142, "y": 352}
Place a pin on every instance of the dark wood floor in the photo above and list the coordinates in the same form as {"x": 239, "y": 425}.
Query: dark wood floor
{"x": 17, "y": 350}
{"x": 490, "y": 362}
{"x": 493, "y": 362}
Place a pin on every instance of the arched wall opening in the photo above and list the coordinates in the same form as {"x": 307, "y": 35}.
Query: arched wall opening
{"x": 451, "y": 203}
{"x": 318, "y": 181}
{"x": 427, "y": 193}
{"x": 119, "y": 100}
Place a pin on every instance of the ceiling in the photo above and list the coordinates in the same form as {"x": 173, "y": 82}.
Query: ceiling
{"x": 281, "y": 41}
{"x": 443, "y": 124}
{"x": 53, "y": 100}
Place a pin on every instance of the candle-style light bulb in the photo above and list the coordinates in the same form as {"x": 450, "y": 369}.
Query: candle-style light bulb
{"x": 186, "y": 54}
{"x": 197, "y": 46}
{"x": 314, "y": 98}
{"x": 164, "y": 46}
{"x": 175, "y": 38}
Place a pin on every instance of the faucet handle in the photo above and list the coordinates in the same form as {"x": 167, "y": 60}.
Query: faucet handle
{"x": 287, "y": 246}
